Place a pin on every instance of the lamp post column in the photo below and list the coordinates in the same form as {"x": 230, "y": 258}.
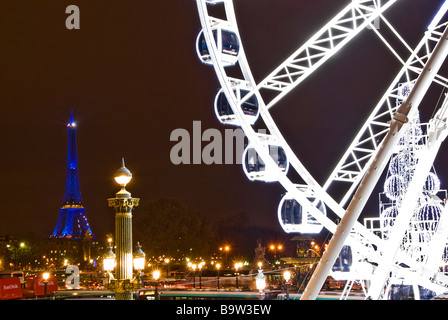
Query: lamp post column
{"x": 123, "y": 204}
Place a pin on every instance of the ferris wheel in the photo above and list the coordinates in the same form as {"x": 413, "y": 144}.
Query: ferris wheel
{"x": 242, "y": 101}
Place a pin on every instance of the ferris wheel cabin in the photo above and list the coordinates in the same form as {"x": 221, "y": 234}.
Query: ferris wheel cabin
{"x": 256, "y": 169}
{"x": 294, "y": 218}
{"x": 227, "y": 43}
{"x": 351, "y": 264}
{"x": 224, "y": 111}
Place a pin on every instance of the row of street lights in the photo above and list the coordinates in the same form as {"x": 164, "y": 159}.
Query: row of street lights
{"x": 193, "y": 267}
{"x": 260, "y": 278}
{"x": 274, "y": 248}
{"x": 125, "y": 261}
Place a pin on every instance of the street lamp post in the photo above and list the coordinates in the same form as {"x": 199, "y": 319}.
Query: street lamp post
{"x": 123, "y": 204}
{"x": 193, "y": 267}
{"x": 226, "y": 250}
{"x": 200, "y": 265}
{"x": 287, "y": 276}
{"x": 260, "y": 282}
{"x": 167, "y": 262}
{"x": 45, "y": 277}
{"x": 139, "y": 263}
{"x": 275, "y": 248}
{"x": 237, "y": 266}
{"x": 217, "y": 267}
{"x": 156, "y": 275}
{"x": 109, "y": 262}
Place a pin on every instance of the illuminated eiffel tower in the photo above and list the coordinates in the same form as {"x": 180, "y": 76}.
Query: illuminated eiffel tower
{"x": 72, "y": 223}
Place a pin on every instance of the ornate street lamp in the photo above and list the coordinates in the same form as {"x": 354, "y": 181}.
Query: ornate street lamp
{"x": 218, "y": 265}
{"x": 139, "y": 262}
{"x": 109, "y": 262}
{"x": 260, "y": 283}
{"x": 123, "y": 204}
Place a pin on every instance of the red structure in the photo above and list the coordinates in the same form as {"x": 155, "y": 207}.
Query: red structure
{"x": 10, "y": 288}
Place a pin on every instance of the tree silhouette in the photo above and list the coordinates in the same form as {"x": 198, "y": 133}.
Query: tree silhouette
{"x": 168, "y": 227}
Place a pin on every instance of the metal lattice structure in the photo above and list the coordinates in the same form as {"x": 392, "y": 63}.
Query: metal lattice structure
{"x": 219, "y": 44}
{"x": 72, "y": 222}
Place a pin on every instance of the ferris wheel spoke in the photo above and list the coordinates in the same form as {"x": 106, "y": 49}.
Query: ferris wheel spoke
{"x": 321, "y": 47}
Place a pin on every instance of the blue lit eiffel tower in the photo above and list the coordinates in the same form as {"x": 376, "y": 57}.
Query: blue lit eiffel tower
{"x": 72, "y": 223}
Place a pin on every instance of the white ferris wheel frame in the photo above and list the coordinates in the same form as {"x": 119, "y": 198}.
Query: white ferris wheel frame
{"x": 358, "y": 15}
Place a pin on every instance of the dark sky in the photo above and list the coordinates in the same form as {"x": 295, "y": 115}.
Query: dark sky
{"x": 131, "y": 76}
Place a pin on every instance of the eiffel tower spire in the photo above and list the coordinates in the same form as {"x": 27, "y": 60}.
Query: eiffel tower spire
{"x": 72, "y": 194}
{"x": 72, "y": 221}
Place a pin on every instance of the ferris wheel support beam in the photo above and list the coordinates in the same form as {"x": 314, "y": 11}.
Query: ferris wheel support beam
{"x": 438, "y": 245}
{"x": 436, "y": 136}
{"x": 405, "y": 111}
{"x": 438, "y": 133}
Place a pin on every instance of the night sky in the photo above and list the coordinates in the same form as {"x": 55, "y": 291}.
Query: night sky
{"x": 131, "y": 76}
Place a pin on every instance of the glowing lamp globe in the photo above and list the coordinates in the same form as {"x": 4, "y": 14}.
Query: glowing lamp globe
{"x": 260, "y": 281}
{"x": 139, "y": 258}
{"x": 123, "y": 176}
{"x": 109, "y": 260}
{"x": 109, "y": 264}
{"x": 45, "y": 276}
{"x": 139, "y": 263}
{"x": 287, "y": 275}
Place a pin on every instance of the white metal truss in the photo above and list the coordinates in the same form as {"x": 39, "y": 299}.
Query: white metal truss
{"x": 437, "y": 134}
{"x": 320, "y": 48}
{"x": 348, "y": 287}
{"x": 354, "y": 163}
